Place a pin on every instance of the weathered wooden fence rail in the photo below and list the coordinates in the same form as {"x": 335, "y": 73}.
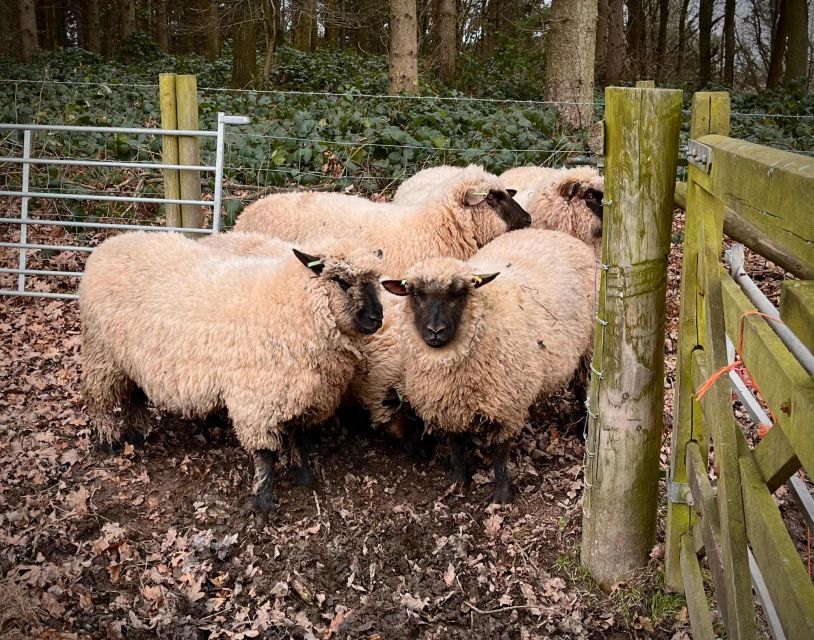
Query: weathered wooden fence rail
{"x": 765, "y": 198}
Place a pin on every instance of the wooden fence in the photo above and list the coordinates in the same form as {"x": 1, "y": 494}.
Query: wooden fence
{"x": 765, "y": 198}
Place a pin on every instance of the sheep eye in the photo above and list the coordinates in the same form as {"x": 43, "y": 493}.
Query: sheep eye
{"x": 458, "y": 293}
{"x": 344, "y": 284}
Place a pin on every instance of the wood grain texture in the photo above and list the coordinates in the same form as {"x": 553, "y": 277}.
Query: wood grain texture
{"x": 169, "y": 148}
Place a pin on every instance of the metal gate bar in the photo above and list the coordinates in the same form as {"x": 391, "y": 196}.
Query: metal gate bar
{"x": 25, "y": 194}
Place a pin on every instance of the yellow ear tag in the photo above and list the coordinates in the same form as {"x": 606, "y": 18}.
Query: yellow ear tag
{"x": 480, "y": 193}
{"x": 315, "y": 263}
{"x": 476, "y": 279}
{"x": 403, "y": 283}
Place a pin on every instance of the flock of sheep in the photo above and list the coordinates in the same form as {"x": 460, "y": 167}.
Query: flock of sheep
{"x": 439, "y": 311}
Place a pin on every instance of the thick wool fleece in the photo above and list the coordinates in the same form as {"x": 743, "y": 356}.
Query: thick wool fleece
{"x": 526, "y": 179}
{"x": 424, "y": 184}
{"x": 198, "y": 329}
{"x": 444, "y": 226}
{"x": 520, "y": 338}
{"x": 248, "y": 244}
{"x": 540, "y": 192}
{"x": 380, "y": 369}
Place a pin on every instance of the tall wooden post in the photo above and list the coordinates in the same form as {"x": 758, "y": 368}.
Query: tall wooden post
{"x": 645, "y": 84}
{"x": 710, "y": 115}
{"x": 189, "y": 148}
{"x": 169, "y": 148}
{"x": 626, "y": 401}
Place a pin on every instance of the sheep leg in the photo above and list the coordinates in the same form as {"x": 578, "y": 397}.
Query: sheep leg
{"x": 459, "y": 474}
{"x": 263, "y": 500}
{"x": 503, "y": 483}
{"x": 104, "y": 387}
{"x": 301, "y": 467}
{"x": 418, "y": 445}
{"x": 136, "y": 417}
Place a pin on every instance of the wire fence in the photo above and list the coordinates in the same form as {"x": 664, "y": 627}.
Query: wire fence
{"x": 350, "y": 141}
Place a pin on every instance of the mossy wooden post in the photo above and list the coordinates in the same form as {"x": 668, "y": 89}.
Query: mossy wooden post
{"x": 645, "y": 84}
{"x": 710, "y": 114}
{"x": 189, "y": 149}
{"x": 627, "y": 390}
{"x": 169, "y": 147}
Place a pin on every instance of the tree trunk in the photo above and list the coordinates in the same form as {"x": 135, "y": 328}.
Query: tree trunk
{"x": 270, "y": 23}
{"x": 491, "y": 24}
{"x": 797, "y": 49}
{"x": 91, "y": 18}
{"x": 729, "y": 42}
{"x": 682, "y": 39}
{"x": 127, "y": 9}
{"x": 161, "y": 31}
{"x": 661, "y": 45}
{"x": 601, "y": 48}
{"x": 705, "y": 41}
{"x": 635, "y": 38}
{"x": 445, "y": 23}
{"x": 570, "y": 45}
{"x": 28, "y": 28}
{"x": 304, "y": 20}
{"x": 244, "y": 55}
{"x": 403, "y": 47}
{"x": 330, "y": 20}
{"x": 211, "y": 24}
{"x": 775, "y": 72}
{"x": 615, "y": 58}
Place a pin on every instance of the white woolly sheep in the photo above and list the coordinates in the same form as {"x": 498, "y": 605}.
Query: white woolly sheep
{"x": 568, "y": 200}
{"x": 477, "y": 355}
{"x": 195, "y": 329}
{"x": 468, "y": 211}
{"x": 377, "y": 382}
{"x": 424, "y": 184}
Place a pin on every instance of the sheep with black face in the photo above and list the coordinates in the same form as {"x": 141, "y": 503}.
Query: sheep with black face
{"x": 467, "y": 211}
{"x": 482, "y": 340}
{"x": 194, "y": 329}
{"x": 568, "y": 200}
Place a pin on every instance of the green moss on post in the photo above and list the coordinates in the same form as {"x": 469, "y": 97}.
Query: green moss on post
{"x": 189, "y": 149}
{"x": 710, "y": 114}
{"x": 621, "y": 494}
{"x": 169, "y": 147}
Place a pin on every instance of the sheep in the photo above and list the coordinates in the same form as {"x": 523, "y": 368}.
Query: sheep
{"x": 568, "y": 200}
{"x": 469, "y": 210}
{"x": 376, "y": 385}
{"x": 195, "y": 329}
{"x": 477, "y": 355}
{"x": 424, "y": 184}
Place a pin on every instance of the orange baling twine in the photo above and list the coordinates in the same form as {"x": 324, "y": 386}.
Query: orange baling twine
{"x": 762, "y": 428}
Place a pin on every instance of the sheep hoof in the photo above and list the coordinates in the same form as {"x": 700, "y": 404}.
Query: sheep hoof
{"x": 108, "y": 446}
{"x": 135, "y": 437}
{"x": 503, "y": 494}
{"x": 263, "y": 504}
{"x": 302, "y": 475}
{"x": 459, "y": 478}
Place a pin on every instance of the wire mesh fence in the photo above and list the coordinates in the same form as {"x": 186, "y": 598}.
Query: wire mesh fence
{"x": 349, "y": 141}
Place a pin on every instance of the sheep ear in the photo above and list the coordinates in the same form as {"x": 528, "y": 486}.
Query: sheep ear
{"x": 480, "y": 280}
{"x": 474, "y": 198}
{"x": 314, "y": 263}
{"x": 512, "y": 192}
{"x": 569, "y": 189}
{"x": 396, "y": 287}
{"x": 378, "y": 253}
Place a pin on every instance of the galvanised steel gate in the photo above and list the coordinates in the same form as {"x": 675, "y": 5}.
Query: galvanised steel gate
{"x": 26, "y": 219}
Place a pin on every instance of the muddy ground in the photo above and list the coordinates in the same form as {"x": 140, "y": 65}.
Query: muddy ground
{"x": 158, "y": 542}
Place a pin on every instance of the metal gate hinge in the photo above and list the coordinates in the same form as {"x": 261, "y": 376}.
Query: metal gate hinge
{"x": 699, "y": 155}
{"x": 679, "y": 493}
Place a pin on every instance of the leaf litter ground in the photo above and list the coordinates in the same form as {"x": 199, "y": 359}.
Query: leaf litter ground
{"x": 159, "y": 543}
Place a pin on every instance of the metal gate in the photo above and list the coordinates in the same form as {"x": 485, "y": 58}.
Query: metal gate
{"x": 26, "y": 219}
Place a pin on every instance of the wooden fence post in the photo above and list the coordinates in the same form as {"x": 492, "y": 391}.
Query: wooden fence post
{"x": 189, "y": 149}
{"x": 626, "y": 400}
{"x": 645, "y": 84}
{"x": 710, "y": 114}
{"x": 169, "y": 147}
